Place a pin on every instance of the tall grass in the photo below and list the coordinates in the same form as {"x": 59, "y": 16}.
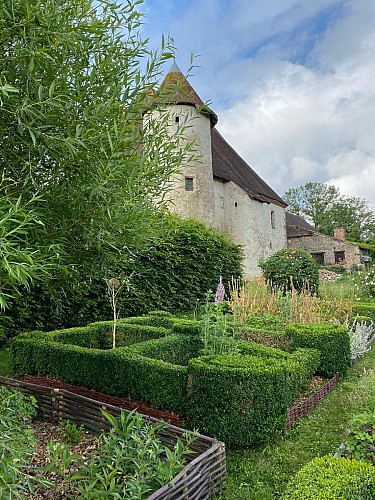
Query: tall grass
{"x": 255, "y": 298}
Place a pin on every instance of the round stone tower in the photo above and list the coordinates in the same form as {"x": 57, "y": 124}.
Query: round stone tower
{"x": 192, "y": 190}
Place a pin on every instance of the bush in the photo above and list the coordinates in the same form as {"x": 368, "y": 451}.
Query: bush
{"x": 177, "y": 269}
{"x": 175, "y": 349}
{"x": 332, "y": 341}
{"x": 364, "y": 309}
{"x": 241, "y": 400}
{"x": 120, "y": 372}
{"x": 291, "y": 269}
{"x": 276, "y": 339}
{"x": 327, "y": 478}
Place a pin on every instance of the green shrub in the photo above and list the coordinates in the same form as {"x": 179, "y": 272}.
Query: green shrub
{"x": 291, "y": 269}
{"x": 177, "y": 269}
{"x": 332, "y": 341}
{"x": 239, "y": 399}
{"x": 364, "y": 309}
{"x": 329, "y": 478}
{"x": 120, "y": 372}
{"x": 186, "y": 327}
{"x": 127, "y": 333}
{"x": 276, "y": 339}
{"x": 302, "y": 363}
{"x": 176, "y": 349}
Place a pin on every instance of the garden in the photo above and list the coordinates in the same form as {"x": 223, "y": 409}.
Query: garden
{"x": 232, "y": 369}
{"x": 103, "y": 289}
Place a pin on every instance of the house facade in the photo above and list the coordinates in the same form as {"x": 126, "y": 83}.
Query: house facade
{"x": 219, "y": 188}
{"x": 323, "y": 248}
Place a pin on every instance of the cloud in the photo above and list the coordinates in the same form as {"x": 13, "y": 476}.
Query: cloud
{"x": 291, "y": 80}
{"x": 314, "y": 121}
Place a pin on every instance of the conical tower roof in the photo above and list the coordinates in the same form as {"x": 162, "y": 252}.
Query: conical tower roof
{"x": 175, "y": 89}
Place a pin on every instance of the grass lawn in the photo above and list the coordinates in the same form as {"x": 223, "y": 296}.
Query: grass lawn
{"x": 263, "y": 474}
{"x": 5, "y": 364}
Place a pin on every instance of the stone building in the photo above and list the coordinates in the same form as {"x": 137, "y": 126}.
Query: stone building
{"x": 325, "y": 249}
{"x": 220, "y": 188}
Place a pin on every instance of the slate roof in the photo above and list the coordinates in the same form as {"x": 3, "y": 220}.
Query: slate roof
{"x": 296, "y": 226}
{"x": 228, "y": 165}
{"x": 177, "y": 90}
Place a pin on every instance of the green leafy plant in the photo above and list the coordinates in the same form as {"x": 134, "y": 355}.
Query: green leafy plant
{"x": 360, "y": 438}
{"x": 16, "y": 444}
{"x": 71, "y": 433}
{"x": 291, "y": 269}
{"x": 217, "y": 329}
{"x": 131, "y": 461}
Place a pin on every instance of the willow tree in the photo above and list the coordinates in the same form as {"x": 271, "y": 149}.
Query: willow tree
{"x": 76, "y": 79}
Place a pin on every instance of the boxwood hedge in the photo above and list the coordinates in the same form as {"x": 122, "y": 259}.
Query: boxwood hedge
{"x": 327, "y": 478}
{"x": 331, "y": 340}
{"x": 241, "y": 399}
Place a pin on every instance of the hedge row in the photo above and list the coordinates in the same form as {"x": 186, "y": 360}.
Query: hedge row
{"x": 242, "y": 399}
{"x": 272, "y": 338}
{"x": 332, "y": 341}
{"x": 120, "y": 372}
{"x": 364, "y": 309}
{"x": 176, "y": 349}
{"x": 327, "y": 478}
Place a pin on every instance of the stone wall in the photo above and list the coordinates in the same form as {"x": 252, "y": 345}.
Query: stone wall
{"x": 320, "y": 243}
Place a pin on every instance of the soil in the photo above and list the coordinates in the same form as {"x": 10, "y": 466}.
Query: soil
{"x": 45, "y": 433}
{"x": 315, "y": 384}
{"x": 128, "y": 404}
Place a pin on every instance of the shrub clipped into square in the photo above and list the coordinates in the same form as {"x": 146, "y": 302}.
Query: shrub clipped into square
{"x": 241, "y": 399}
{"x": 176, "y": 349}
{"x": 331, "y": 340}
{"x": 327, "y": 478}
{"x": 120, "y": 372}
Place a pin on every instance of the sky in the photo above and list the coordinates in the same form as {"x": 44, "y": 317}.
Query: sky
{"x": 292, "y": 81}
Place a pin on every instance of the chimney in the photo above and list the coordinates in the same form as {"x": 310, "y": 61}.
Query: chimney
{"x": 339, "y": 233}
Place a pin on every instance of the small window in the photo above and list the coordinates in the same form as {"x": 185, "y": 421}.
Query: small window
{"x": 273, "y": 220}
{"x": 189, "y": 185}
{"x": 235, "y": 204}
{"x": 318, "y": 257}
{"x": 177, "y": 119}
{"x": 339, "y": 257}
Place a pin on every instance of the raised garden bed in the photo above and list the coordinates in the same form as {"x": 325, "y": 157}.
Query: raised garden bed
{"x": 303, "y": 408}
{"x": 204, "y": 474}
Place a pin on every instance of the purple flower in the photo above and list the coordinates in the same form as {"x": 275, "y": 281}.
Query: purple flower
{"x": 220, "y": 291}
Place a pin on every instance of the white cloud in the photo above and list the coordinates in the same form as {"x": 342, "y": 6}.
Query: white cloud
{"x": 296, "y": 99}
{"x": 314, "y": 123}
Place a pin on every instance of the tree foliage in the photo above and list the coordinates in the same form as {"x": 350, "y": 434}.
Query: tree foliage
{"x": 173, "y": 274}
{"x": 327, "y": 208}
{"x": 75, "y": 79}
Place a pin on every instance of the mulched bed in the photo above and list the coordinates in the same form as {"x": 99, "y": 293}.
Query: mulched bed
{"x": 127, "y": 404}
{"x": 45, "y": 433}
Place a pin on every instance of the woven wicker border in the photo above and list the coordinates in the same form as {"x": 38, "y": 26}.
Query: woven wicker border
{"x": 300, "y": 410}
{"x": 204, "y": 474}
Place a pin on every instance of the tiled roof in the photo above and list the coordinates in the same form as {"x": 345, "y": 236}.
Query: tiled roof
{"x": 229, "y": 166}
{"x": 296, "y": 226}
